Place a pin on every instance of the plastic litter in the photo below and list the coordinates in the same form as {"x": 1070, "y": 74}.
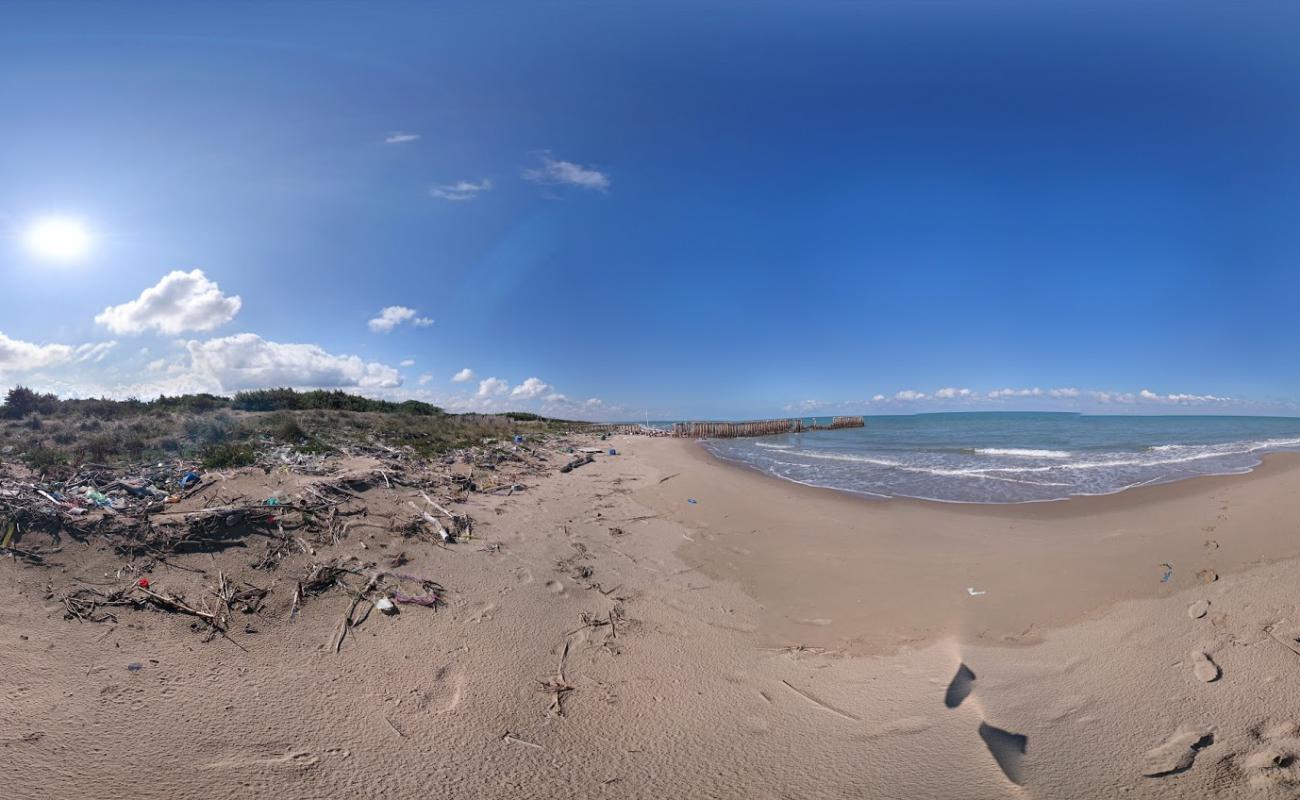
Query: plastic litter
{"x": 272, "y": 501}
{"x": 973, "y": 592}
{"x": 98, "y": 498}
{"x": 135, "y": 666}
{"x": 189, "y": 479}
{"x": 519, "y": 440}
{"x": 143, "y": 583}
{"x": 613, "y": 452}
{"x": 386, "y": 606}
{"x": 1169, "y": 572}
{"x": 691, "y": 500}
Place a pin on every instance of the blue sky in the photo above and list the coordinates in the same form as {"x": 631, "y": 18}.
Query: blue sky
{"x": 680, "y": 209}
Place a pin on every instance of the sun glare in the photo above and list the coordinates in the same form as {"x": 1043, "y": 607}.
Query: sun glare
{"x": 58, "y": 239}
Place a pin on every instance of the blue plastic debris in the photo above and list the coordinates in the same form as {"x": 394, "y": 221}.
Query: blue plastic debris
{"x": 613, "y": 452}
{"x": 519, "y": 440}
{"x": 1169, "y": 572}
{"x": 691, "y": 501}
{"x": 189, "y": 479}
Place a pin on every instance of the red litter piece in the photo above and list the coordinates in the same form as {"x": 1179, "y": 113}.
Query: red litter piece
{"x": 143, "y": 583}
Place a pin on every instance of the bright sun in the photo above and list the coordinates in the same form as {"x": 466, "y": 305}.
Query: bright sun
{"x": 58, "y": 239}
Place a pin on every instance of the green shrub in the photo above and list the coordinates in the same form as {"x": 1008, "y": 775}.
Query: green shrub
{"x": 43, "y": 459}
{"x": 220, "y": 456}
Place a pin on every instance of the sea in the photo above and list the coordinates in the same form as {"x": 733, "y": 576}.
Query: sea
{"x": 1002, "y": 457}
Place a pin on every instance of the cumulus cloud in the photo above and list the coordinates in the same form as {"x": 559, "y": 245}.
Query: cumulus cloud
{"x": 878, "y": 398}
{"x": 566, "y": 173}
{"x": 180, "y": 302}
{"x": 463, "y": 376}
{"x": 1064, "y": 391}
{"x": 461, "y": 190}
{"x": 392, "y": 316}
{"x": 247, "y": 361}
{"x": 593, "y": 408}
{"x": 17, "y": 355}
{"x": 492, "y": 387}
{"x": 530, "y": 389}
{"x": 401, "y": 137}
{"x": 909, "y": 394}
{"x": 950, "y": 393}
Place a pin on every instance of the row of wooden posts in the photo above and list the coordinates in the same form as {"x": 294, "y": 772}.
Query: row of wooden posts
{"x": 762, "y": 427}
{"x": 728, "y": 430}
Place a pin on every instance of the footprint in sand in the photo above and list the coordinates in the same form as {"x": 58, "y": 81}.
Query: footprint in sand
{"x": 555, "y": 587}
{"x": 1198, "y": 609}
{"x": 1276, "y": 762}
{"x": 294, "y": 758}
{"x": 1207, "y": 576}
{"x": 959, "y": 687}
{"x": 1178, "y": 753}
{"x": 445, "y": 696}
{"x": 1203, "y": 667}
{"x": 1007, "y": 748}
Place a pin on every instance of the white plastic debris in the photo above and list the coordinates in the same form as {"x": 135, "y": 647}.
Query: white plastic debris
{"x": 386, "y": 606}
{"x": 973, "y": 592}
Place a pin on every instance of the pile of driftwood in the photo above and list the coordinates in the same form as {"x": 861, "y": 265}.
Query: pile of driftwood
{"x": 152, "y": 514}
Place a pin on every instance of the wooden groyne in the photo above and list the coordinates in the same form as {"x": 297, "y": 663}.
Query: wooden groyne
{"x": 762, "y": 427}
{"x": 727, "y": 430}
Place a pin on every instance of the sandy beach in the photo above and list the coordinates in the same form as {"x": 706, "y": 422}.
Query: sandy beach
{"x": 604, "y": 636}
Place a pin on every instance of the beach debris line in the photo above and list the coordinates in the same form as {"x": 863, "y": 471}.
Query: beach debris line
{"x": 281, "y": 509}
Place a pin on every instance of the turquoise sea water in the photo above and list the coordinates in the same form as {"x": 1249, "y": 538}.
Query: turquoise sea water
{"x": 1014, "y": 457}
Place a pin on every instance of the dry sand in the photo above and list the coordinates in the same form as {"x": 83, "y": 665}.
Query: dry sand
{"x": 769, "y": 641}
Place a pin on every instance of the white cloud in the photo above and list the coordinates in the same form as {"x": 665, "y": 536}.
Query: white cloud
{"x": 1000, "y": 393}
{"x": 949, "y": 393}
{"x": 556, "y": 172}
{"x": 16, "y": 355}
{"x": 530, "y": 389}
{"x": 464, "y": 375}
{"x": 92, "y": 353}
{"x": 401, "y": 137}
{"x": 909, "y": 394}
{"x": 392, "y": 316}
{"x": 247, "y": 361}
{"x": 492, "y": 387}
{"x": 461, "y": 190}
{"x": 1064, "y": 391}
{"x": 425, "y": 378}
{"x": 180, "y": 302}
{"x": 407, "y": 362}
{"x": 1181, "y": 399}
{"x": 879, "y": 398}
{"x": 593, "y": 408}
